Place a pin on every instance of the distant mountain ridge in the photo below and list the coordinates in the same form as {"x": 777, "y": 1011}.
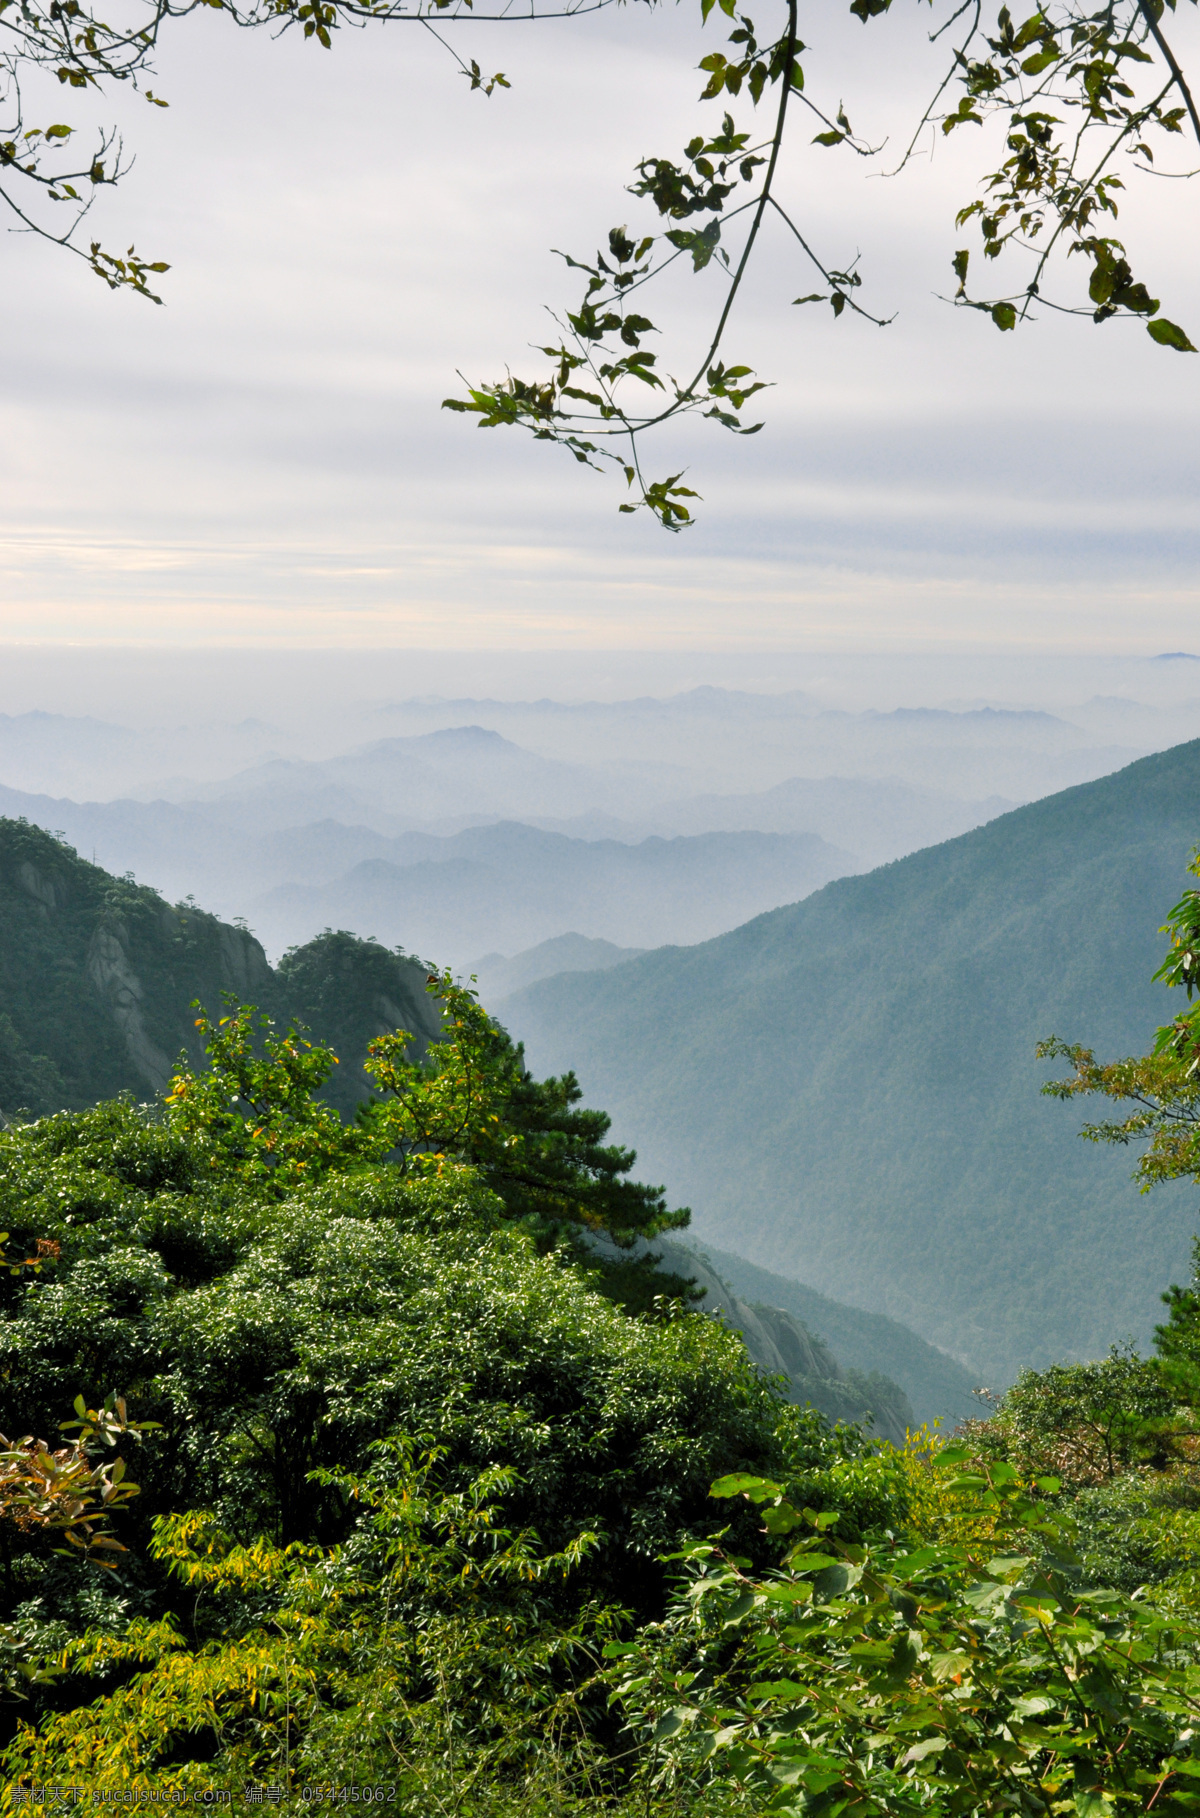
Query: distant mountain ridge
{"x": 938, "y": 1387}
{"x": 499, "y": 977}
{"x": 879, "y": 818}
{"x": 453, "y": 770}
{"x": 845, "y": 1089}
{"x": 512, "y": 885}
{"x": 226, "y": 850}
{"x": 782, "y": 1344}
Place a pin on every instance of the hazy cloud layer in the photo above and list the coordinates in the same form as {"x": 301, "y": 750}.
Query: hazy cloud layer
{"x": 264, "y": 459}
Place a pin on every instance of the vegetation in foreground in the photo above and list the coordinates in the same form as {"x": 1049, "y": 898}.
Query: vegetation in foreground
{"x": 428, "y": 1504}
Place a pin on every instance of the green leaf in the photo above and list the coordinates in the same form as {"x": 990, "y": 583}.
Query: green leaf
{"x": 981, "y": 1595}
{"x": 799, "y": 1592}
{"x": 1004, "y": 315}
{"x": 934, "y": 1745}
{"x": 1169, "y": 334}
{"x": 783, "y": 1519}
{"x": 835, "y": 1580}
{"x": 1032, "y": 1706}
{"x": 670, "y": 1724}
{"x": 740, "y": 1484}
{"x": 1008, "y": 1565}
{"x": 815, "y": 296}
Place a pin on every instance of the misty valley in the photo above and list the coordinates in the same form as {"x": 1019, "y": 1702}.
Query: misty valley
{"x": 539, "y": 1270}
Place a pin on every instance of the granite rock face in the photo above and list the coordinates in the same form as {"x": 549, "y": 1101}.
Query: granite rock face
{"x": 783, "y": 1346}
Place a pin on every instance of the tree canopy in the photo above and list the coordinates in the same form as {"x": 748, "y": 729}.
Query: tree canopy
{"x": 256, "y": 1110}
{"x": 1072, "y": 103}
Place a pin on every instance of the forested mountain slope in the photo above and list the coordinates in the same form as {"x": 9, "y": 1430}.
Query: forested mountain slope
{"x": 97, "y": 974}
{"x": 845, "y": 1090}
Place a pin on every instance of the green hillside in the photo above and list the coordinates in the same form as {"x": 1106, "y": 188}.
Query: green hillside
{"x": 845, "y": 1090}
{"x": 97, "y": 974}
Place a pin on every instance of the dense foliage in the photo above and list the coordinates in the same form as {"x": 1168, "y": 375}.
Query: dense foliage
{"x": 967, "y": 1674}
{"x": 318, "y": 1326}
{"x": 1163, "y": 1087}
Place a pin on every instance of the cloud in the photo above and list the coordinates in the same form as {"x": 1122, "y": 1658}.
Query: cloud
{"x": 264, "y": 459}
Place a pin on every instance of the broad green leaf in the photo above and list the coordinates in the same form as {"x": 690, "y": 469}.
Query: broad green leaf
{"x": 835, "y": 1580}
{"x": 1033, "y": 1706}
{"x": 800, "y": 1592}
{"x": 783, "y": 1519}
{"x": 739, "y": 1483}
{"x": 934, "y": 1745}
{"x": 1169, "y": 334}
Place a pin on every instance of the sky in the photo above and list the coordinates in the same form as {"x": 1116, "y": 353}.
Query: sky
{"x": 263, "y": 461}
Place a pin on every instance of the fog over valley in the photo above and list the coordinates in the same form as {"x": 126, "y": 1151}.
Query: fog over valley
{"x": 459, "y": 825}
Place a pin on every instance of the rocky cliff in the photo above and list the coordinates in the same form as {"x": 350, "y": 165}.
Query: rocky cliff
{"x": 782, "y": 1345}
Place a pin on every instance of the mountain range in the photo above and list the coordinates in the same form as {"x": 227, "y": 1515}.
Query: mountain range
{"x": 302, "y": 836}
{"x": 98, "y": 975}
{"x": 499, "y": 977}
{"x": 515, "y": 886}
{"x": 846, "y": 1091}
{"x": 293, "y": 848}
